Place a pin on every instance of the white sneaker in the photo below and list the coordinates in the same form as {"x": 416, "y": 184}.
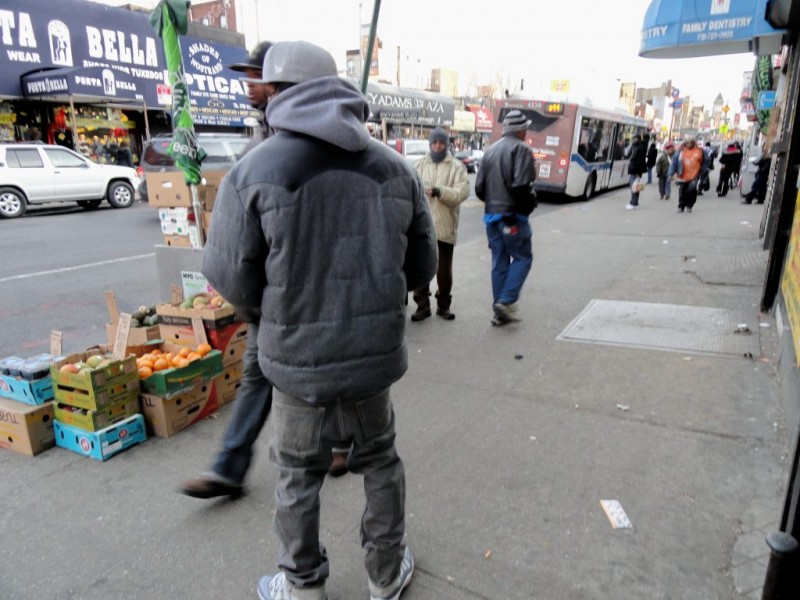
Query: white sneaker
{"x": 508, "y": 311}
{"x": 394, "y": 589}
{"x": 631, "y": 207}
{"x": 277, "y": 587}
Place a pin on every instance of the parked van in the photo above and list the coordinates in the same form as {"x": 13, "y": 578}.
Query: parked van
{"x": 411, "y": 149}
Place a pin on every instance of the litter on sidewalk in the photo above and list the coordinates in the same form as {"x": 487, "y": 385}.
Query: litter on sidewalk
{"x": 616, "y": 514}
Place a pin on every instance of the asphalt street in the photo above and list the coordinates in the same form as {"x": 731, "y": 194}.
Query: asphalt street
{"x": 511, "y": 436}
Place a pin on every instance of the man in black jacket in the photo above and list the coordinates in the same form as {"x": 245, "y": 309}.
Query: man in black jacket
{"x": 505, "y": 184}
{"x": 254, "y": 397}
{"x": 636, "y": 168}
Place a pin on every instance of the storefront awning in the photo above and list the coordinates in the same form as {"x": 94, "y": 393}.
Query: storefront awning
{"x": 691, "y": 28}
{"x": 463, "y": 121}
{"x": 92, "y": 84}
{"x": 483, "y": 119}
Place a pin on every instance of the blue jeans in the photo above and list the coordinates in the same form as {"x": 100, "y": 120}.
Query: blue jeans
{"x": 650, "y": 175}
{"x": 303, "y": 435}
{"x": 634, "y": 195}
{"x": 250, "y": 411}
{"x": 664, "y": 187}
{"x": 512, "y": 259}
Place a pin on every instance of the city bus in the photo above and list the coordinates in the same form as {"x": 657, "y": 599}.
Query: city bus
{"x": 579, "y": 150}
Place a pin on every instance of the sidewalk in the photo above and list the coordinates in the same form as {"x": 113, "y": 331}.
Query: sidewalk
{"x": 507, "y": 458}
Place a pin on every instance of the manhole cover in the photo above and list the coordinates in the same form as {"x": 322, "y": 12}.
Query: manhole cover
{"x": 666, "y": 327}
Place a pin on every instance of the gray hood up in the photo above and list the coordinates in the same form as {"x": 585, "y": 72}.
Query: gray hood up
{"x": 327, "y": 108}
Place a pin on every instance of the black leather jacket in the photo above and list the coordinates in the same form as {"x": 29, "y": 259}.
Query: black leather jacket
{"x": 505, "y": 179}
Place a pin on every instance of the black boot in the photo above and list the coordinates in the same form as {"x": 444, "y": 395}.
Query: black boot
{"x": 423, "y": 299}
{"x": 443, "y": 307}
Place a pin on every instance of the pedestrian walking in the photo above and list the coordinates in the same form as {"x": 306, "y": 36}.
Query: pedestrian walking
{"x": 652, "y": 155}
{"x": 637, "y": 165}
{"x": 505, "y": 184}
{"x": 124, "y": 156}
{"x": 254, "y": 397}
{"x": 758, "y": 191}
{"x": 686, "y": 167}
{"x": 446, "y": 187}
{"x": 325, "y": 232}
{"x": 705, "y": 172}
{"x": 662, "y": 170}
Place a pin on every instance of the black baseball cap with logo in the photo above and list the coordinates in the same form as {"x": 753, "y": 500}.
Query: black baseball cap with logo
{"x": 255, "y": 60}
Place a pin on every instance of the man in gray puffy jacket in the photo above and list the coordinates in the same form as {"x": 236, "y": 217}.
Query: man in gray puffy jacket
{"x": 326, "y": 230}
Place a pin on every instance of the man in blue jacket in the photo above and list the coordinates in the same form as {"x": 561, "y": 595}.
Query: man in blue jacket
{"x": 326, "y": 230}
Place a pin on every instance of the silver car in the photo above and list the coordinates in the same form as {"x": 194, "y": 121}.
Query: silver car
{"x": 39, "y": 173}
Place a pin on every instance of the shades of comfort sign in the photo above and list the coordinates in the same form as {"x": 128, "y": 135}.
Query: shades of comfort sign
{"x": 689, "y": 28}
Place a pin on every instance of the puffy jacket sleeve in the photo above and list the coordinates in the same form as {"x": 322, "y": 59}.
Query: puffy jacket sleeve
{"x": 422, "y": 255}
{"x": 235, "y": 252}
{"x": 458, "y": 190}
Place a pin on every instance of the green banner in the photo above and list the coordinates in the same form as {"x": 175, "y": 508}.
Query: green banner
{"x": 169, "y": 19}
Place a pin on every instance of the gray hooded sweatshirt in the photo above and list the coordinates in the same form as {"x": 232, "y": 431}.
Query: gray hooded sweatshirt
{"x": 325, "y": 230}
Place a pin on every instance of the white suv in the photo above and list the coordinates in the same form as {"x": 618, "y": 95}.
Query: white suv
{"x": 39, "y": 173}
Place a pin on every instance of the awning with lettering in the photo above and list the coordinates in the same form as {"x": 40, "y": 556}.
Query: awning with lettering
{"x": 93, "y": 84}
{"x": 463, "y": 121}
{"x": 690, "y": 28}
{"x": 403, "y": 105}
{"x": 483, "y": 119}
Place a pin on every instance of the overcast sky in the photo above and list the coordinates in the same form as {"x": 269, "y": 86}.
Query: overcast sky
{"x": 591, "y": 43}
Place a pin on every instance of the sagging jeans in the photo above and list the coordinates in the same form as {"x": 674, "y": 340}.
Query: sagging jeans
{"x": 634, "y": 195}
{"x": 250, "y": 411}
{"x": 512, "y": 258}
{"x": 303, "y": 435}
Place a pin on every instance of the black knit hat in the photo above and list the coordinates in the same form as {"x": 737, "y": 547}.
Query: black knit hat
{"x": 255, "y": 60}
{"x": 438, "y": 135}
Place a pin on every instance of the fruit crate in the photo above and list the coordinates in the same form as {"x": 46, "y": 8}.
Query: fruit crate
{"x": 97, "y": 388}
{"x": 213, "y": 318}
{"x": 177, "y": 379}
{"x": 93, "y": 420}
{"x": 105, "y": 443}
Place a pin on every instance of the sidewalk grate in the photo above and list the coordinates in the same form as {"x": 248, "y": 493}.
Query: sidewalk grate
{"x": 666, "y": 327}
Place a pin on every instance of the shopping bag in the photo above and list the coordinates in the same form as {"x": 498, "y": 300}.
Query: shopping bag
{"x": 637, "y": 185}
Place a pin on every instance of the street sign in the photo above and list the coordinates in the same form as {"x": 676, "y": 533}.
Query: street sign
{"x": 766, "y": 100}
{"x": 725, "y": 109}
{"x": 676, "y": 93}
{"x": 677, "y": 104}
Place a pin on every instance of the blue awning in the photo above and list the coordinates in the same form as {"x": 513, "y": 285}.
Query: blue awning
{"x": 690, "y": 28}
{"x": 90, "y": 84}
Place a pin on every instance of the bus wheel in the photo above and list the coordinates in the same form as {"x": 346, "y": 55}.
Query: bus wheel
{"x": 588, "y": 189}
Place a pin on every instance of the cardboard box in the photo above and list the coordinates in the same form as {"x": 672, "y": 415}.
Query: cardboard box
{"x": 166, "y": 416}
{"x": 170, "y": 382}
{"x": 179, "y": 241}
{"x": 100, "y": 398}
{"x": 102, "y": 444}
{"x": 137, "y": 335}
{"x": 100, "y": 387}
{"x": 25, "y": 428}
{"x": 208, "y": 191}
{"x": 230, "y": 340}
{"x": 176, "y": 220}
{"x": 175, "y": 323}
{"x": 34, "y": 392}
{"x": 228, "y": 383}
{"x": 206, "y": 222}
{"x": 169, "y": 190}
{"x": 93, "y": 420}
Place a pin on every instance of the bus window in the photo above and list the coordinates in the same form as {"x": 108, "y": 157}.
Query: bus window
{"x": 595, "y": 137}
